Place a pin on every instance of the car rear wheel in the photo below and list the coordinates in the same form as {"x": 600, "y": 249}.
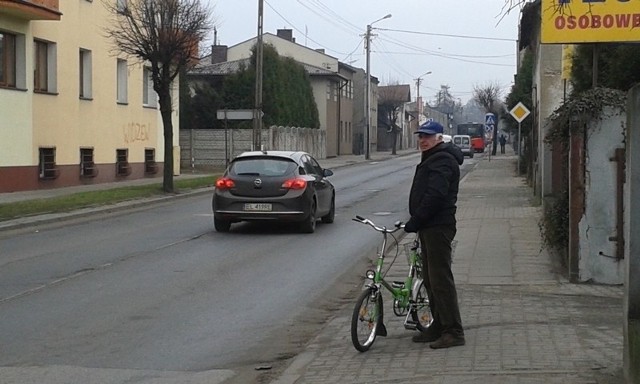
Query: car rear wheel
{"x": 329, "y": 217}
{"x": 221, "y": 225}
{"x": 309, "y": 224}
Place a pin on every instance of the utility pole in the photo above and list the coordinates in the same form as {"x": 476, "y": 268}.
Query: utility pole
{"x": 257, "y": 112}
{"x": 367, "y": 112}
{"x": 418, "y": 101}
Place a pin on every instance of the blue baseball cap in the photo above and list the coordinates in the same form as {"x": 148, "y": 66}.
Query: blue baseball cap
{"x": 430, "y": 128}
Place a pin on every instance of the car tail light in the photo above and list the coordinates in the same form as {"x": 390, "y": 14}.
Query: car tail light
{"x": 295, "y": 184}
{"x": 225, "y": 183}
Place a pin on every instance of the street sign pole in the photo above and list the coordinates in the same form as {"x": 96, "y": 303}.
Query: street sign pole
{"x": 519, "y": 145}
{"x": 519, "y": 112}
{"x": 235, "y": 114}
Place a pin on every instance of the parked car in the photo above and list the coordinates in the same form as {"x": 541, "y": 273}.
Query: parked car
{"x": 274, "y": 185}
{"x": 464, "y": 143}
{"x": 446, "y": 138}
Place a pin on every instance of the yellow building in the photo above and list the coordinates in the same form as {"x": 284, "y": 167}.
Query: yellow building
{"x": 72, "y": 110}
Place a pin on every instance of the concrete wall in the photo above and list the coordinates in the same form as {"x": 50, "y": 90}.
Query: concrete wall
{"x": 597, "y": 257}
{"x": 632, "y": 243}
{"x": 205, "y": 148}
{"x": 548, "y": 95}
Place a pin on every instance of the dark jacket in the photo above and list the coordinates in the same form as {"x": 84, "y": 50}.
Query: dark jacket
{"x": 434, "y": 191}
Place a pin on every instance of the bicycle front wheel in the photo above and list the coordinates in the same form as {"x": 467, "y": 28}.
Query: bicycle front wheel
{"x": 422, "y": 314}
{"x": 367, "y": 317}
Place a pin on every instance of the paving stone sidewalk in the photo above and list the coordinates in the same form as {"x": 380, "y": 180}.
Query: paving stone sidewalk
{"x": 524, "y": 322}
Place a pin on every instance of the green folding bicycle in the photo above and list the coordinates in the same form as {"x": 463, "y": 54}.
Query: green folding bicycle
{"x": 409, "y": 296}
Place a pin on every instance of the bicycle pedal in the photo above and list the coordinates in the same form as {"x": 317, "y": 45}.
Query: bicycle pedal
{"x": 410, "y": 325}
{"x": 397, "y": 284}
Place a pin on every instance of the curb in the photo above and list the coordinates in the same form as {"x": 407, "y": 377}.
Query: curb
{"x": 44, "y": 219}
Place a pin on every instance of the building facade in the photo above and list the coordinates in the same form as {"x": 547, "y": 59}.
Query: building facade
{"x": 331, "y": 82}
{"x": 72, "y": 111}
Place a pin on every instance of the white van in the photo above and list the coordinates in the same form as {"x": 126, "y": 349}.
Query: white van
{"x": 464, "y": 143}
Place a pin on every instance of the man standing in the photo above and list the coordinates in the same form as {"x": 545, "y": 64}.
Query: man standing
{"x": 503, "y": 142}
{"x": 432, "y": 205}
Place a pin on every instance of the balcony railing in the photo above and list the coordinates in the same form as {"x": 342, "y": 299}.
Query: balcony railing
{"x": 31, "y": 9}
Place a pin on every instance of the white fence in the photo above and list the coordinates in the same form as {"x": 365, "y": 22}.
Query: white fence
{"x": 203, "y": 148}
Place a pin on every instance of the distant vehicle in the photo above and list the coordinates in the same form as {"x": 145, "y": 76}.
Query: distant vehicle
{"x": 477, "y": 134}
{"x": 446, "y": 138}
{"x": 274, "y": 185}
{"x": 464, "y": 143}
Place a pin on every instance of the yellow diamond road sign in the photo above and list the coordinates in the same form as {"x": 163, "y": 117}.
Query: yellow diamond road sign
{"x": 519, "y": 112}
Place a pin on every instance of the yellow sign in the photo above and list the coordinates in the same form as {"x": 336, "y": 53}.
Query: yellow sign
{"x": 519, "y": 112}
{"x": 590, "y": 21}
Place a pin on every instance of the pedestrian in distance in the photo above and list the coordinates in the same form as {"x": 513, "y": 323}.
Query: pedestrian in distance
{"x": 432, "y": 205}
{"x": 503, "y": 141}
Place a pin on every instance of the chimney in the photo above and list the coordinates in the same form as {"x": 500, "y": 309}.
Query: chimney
{"x": 286, "y": 34}
{"x": 218, "y": 54}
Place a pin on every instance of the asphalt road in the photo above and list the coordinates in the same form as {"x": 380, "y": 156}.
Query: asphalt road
{"x": 158, "y": 289}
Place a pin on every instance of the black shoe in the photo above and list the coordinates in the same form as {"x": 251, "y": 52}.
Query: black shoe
{"x": 447, "y": 340}
{"x": 427, "y": 336}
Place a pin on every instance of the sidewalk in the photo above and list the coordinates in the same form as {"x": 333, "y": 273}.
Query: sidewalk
{"x": 524, "y": 322}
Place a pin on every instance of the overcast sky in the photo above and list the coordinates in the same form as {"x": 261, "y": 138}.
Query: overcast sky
{"x": 464, "y": 43}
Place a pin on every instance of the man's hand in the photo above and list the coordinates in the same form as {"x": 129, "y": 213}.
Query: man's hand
{"x": 411, "y": 226}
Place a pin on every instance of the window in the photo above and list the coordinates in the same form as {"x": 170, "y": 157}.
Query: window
{"x": 7, "y": 60}
{"x": 149, "y": 98}
{"x": 44, "y": 61}
{"x": 150, "y": 166}
{"x": 85, "y": 86}
{"x": 122, "y": 164}
{"x": 47, "y": 164}
{"x": 121, "y": 81}
{"x": 87, "y": 166}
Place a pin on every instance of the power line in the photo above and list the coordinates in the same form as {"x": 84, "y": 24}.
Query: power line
{"x": 446, "y": 35}
{"x": 300, "y": 31}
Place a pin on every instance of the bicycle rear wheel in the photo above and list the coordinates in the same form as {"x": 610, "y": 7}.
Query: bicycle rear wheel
{"x": 422, "y": 315}
{"x": 366, "y": 318}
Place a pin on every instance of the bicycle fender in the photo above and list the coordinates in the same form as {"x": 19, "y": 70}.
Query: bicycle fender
{"x": 415, "y": 288}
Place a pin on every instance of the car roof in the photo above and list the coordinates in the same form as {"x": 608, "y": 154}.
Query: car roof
{"x": 294, "y": 155}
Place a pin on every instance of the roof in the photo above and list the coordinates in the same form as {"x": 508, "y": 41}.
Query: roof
{"x": 229, "y": 67}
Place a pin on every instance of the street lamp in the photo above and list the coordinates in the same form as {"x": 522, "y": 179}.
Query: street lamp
{"x": 418, "y": 101}
{"x": 368, "y": 90}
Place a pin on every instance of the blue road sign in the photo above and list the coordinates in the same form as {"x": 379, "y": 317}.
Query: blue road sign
{"x": 489, "y": 122}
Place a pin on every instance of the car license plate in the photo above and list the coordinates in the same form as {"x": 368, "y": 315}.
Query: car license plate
{"x": 257, "y": 207}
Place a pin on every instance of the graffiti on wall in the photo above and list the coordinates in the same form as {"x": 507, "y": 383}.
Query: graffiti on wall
{"x": 136, "y": 132}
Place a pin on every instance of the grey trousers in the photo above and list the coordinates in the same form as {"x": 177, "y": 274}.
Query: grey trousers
{"x": 438, "y": 278}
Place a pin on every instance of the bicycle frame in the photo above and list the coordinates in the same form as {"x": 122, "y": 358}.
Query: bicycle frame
{"x": 399, "y": 290}
{"x": 410, "y": 296}
{"x": 403, "y": 292}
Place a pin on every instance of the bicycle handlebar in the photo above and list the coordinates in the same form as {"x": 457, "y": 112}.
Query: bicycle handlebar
{"x": 398, "y": 225}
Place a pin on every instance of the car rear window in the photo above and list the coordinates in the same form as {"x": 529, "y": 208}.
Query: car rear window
{"x": 262, "y": 167}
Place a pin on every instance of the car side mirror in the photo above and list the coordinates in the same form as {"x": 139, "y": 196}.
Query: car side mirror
{"x": 327, "y": 172}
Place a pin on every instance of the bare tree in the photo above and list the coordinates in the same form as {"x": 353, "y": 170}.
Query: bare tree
{"x": 391, "y": 98}
{"x": 488, "y": 96}
{"x": 163, "y": 34}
